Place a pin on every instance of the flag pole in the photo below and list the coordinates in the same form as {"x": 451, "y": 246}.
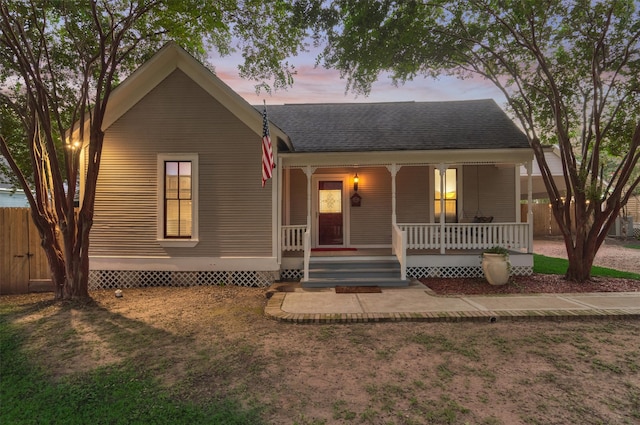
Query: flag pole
{"x": 267, "y": 150}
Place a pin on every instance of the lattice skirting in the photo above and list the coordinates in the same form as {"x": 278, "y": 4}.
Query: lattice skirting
{"x": 291, "y": 274}
{"x": 420, "y": 272}
{"x": 119, "y": 279}
{"x": 460, "y": 271}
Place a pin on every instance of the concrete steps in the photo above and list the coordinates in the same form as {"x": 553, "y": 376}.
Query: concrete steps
{"x": 329, "y": 272}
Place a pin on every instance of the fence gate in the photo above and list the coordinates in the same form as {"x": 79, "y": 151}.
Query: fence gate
{"x": 23, "y": 265}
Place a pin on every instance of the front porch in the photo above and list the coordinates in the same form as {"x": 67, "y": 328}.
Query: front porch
{"x": 451, "y": 250}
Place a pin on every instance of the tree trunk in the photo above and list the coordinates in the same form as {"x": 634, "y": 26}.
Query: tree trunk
{"x": 581, "y": 258}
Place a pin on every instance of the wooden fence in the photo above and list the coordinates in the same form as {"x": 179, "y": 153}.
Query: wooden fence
{"x": 544, "y": 224}
{"x": 23, "y": 264}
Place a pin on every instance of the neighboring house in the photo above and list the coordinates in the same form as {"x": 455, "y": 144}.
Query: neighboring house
{"x": 539, "y": 190}
{"x": 179, "y": 199}
{"x": 12, "y": 198}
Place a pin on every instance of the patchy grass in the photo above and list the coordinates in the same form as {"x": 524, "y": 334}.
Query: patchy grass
{"x": 122, "y": 394}
{"x": 208, "y": 355}
{"x": 551, "y": 265}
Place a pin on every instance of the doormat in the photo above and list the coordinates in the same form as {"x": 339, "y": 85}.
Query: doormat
{"x": 358, "y": 290}
{"x": 332, "y": 249}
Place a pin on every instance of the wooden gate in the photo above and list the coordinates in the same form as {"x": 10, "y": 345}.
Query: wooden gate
{"x": 23, "y": 264}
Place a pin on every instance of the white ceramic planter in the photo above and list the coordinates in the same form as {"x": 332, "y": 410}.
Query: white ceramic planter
{"x": 495, "y": 268}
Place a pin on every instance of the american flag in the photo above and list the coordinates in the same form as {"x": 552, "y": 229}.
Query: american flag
{"x": 267, "y": 150}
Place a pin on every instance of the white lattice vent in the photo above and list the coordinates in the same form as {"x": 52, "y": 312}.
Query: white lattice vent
{"x": 460, "y": 272}
{"x": 444, "y": 272}
{"x": 291, "y": 274}
{"x": 114, "y": 279}
{"x": 521, "y": 270}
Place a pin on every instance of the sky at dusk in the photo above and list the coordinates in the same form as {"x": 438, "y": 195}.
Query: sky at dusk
{"x": 319, "y": 85}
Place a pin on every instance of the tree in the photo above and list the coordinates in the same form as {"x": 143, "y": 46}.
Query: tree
{"x": 570, "y": 71}
{"x": 59, "y": 63}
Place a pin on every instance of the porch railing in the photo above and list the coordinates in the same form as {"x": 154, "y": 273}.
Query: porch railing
{"x": 293, "y": 237}
{"x": 513, "y": 236}
{"x": 399, "y": 245}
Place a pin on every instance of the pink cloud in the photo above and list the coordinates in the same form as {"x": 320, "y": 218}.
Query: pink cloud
{"x": 319, "y": 85}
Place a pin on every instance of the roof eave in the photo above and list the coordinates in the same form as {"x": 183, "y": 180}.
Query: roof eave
{"x": 448, "y": 156}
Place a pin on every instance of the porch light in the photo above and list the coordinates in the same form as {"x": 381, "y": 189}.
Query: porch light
{"x": 355, "y": 182}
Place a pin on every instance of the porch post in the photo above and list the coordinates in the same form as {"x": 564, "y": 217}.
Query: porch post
{"x": 442, "y": 168}
{"x": 393, "y": 169}
{"x": 278, "y": 212}
{"x": 308, "y": 171}
{"x": 530, "y": 205}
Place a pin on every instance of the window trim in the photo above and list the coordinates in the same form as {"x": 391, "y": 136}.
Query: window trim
{"x": 433, "y": 189}
{"x": 160, "y": 178}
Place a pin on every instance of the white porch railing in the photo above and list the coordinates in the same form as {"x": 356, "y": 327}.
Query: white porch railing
{"x": 399, "y": 245}
{"x": 513, "y": 236}
{"x": 292, "y": 237}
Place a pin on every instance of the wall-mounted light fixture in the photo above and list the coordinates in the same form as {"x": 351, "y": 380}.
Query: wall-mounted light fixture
{"x": 355, "y": 182}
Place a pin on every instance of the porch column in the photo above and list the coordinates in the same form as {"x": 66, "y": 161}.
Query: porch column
{"x": 393, "y": 169}
{"x": 278, "y": 213}
{"x": 443, "y": 169}
{"x": 308, "y": 171}
{"x": 529, "y": 166}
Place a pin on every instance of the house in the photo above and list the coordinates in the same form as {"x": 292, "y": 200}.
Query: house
{"x": 539, "y": 190}
{"x": 380, "y": 192}
{"x": 10, "y": 197}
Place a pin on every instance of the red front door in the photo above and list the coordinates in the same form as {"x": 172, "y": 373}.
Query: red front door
{"x": 330, "y": 213}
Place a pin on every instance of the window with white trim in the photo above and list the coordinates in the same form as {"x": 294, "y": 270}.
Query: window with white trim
{"x": 178, "y": 199}
{"x": 450, "y": 195}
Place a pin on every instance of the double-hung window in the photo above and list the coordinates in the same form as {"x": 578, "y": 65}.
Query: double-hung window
{"x": 178, "y": 199}
{"x": 450, "y": 183}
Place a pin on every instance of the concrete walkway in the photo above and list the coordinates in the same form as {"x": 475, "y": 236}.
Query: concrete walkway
{"x": 419, "y": 303}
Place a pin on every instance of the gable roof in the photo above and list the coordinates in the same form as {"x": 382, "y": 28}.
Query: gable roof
{"x": 166, "y": 60}
{"x": 397, "y": 126}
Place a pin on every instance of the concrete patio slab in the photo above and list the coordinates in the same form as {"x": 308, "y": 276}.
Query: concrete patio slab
{"x": 609, "y": 300}
{"x": 321, "y": 302}
{"x": 411, "y": 301}
{"x": 417, "y": 303}
{"x": 533, "y": 302}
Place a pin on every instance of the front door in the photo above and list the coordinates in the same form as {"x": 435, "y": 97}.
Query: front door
{"x": 330, "y": 213}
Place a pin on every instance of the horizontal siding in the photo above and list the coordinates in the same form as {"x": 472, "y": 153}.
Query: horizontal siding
{"x": 412, "y": 195}
{"x": 298, "y": 197}
{"x": 371, "y": 222}
{"x": 179, "y": 117}
{"x": 489, "y": 191}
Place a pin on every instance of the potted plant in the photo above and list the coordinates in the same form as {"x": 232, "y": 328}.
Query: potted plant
{"x": 496, "y": 265}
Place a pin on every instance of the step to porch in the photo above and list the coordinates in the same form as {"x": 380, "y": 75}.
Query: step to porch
{"x": 329, "y": 272}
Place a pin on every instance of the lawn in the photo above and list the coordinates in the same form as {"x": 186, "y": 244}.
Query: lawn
{"x": 125, "y": 393}
{"x": 551, "y": 265}
{"x": 207, "y": 355}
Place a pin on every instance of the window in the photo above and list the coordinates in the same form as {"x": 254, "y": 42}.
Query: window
{"x": 177, "y": 199}
{"x": 450, "y": 196}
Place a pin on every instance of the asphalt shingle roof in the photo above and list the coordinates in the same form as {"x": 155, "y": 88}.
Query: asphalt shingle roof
{"x": 358, "y": 127}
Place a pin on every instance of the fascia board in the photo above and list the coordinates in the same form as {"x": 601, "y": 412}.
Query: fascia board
{"x": 493, "y": 156}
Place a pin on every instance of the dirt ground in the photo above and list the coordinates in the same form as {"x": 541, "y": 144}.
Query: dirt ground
{"x": 209, "y": 342}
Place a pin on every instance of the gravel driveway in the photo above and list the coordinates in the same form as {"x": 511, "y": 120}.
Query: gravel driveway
{"x": 612, "y": 253}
